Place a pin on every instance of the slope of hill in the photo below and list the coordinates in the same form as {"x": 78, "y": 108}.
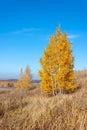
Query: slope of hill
{"x": 29, "y": 110}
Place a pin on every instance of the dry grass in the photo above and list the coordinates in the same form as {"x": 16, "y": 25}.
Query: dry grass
{"x": 28, "y": 110}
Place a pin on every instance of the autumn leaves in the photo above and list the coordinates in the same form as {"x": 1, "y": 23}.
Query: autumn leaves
{"x": 57, "y": 74}
{"x": 24, "y": 79}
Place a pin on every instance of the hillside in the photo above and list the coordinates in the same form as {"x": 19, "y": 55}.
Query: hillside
{"x": 29, "y": 110}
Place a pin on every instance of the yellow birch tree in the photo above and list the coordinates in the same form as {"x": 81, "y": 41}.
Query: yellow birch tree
{"x": 25, "y": 78}
{"x": 57, "y": 72}
{"x": 66, "y": 75}
{"x": 50, "y": 66}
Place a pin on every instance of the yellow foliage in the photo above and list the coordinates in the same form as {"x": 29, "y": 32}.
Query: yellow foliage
{"x": 25, "y": 79}
{"x": 57, "y": 63}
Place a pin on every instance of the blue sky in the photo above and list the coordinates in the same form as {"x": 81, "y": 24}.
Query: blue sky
{"x": 27, "y": 25}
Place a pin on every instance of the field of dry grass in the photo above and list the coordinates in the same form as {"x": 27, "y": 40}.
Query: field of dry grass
{"x": 29, "y": 110}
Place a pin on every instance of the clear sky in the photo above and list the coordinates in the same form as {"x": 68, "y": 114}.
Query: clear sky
{"x": 27, "y": 25}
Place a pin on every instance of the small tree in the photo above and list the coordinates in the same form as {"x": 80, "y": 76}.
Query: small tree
{"x": 25, "y": 78}
{"x": 57, "y": 63}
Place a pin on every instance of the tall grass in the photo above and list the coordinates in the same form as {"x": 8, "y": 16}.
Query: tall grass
{"x": 28, "y": 110}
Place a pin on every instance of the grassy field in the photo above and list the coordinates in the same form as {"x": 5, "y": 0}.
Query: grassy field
{"x": 29, "y": 110}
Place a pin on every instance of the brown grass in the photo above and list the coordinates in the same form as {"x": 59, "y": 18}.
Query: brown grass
{"x": 29, "y": 110}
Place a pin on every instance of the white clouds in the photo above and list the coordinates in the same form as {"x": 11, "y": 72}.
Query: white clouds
{"x": 25, "y": 30}
{"x": 35, "y": 30}
{"x": 70, "y": 36}
{"x": 73, "y": 36}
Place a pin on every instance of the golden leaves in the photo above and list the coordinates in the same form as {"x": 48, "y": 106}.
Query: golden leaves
{"x": 25, "y": 79}
{"x": 57, "y": 64}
